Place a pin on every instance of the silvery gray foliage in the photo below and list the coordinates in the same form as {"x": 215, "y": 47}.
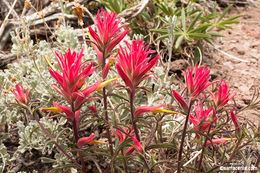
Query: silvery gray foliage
{"x": 4, "y": 157}
{"x": 33, "y": 137}
{"x": 22, "y": 41}
{"x": 31, "y": 70}
{"x": 67, "y": 37}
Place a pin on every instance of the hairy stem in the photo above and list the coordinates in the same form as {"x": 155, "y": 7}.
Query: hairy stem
{"x": 107, "y": 122}
{"x": 203, "y": 148}
{"x": 182, "y": 138}
{"x": 50, "y": 136}
{"x": 76, "y": 137}
{"x": 105, "y": 103}
{"x": 132, "y": 109}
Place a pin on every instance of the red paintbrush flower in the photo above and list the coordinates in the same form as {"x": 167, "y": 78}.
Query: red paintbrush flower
{"x": 122, "y": 136}
{"x": 21, "y": 95}
{"x": 89, "y": 140}
{"x": 109, "y": 33}
{"x": 203, "y": 118}
{"x": 154, "y": 109}
{"x": 219, "y": 141}
{"x": 86, "y": 140}
{"x": 134, "y": 63}
{"x": 135, "y": 146}
{"x": 222, "y": 96}
{"x": 58, "y": 108}
{"x": 197, "y": 80}
{"x": 234, "y": 119}
{"x": 72, "y": 77}
{"x": 180, "y": 100}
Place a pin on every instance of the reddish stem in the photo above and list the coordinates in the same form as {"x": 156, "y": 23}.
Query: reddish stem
{"x": 203, "y": 148}
{"x": 182, "y": 138}
{"x": 109, "y": 137}
{"x": 132, "y": 109}
{"x": 76, "y": 137}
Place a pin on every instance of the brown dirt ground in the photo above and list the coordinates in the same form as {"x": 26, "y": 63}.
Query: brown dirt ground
{"x": 243, "y": 42}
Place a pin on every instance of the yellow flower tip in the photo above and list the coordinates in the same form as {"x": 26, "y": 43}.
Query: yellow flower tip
{"x": 51, "y": 109}
{"x": 98, "y": 142}
{"x": 105, "y": 83}
{"x": 230, "y": 139}
{"x": 47, "y": 59}
{"x": 162, "y": 110}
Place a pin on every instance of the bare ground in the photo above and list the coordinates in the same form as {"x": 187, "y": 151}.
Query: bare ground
{"x": 237, "y": 57}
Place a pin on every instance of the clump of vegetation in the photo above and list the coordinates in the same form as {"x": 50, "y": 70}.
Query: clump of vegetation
{"x": 106, "y": 102}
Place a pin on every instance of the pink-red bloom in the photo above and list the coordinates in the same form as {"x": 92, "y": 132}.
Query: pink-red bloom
{"x": 109, "y": 33}
{"x": 234, "y": 119}
{"x": 219, "y": 141}
{"x": 134, "y": 63}
{"x": 155, "y": 109}
{"x": 222, "y": 96}
{"x": 89, "y": 140}
{"x": 203, "y": 118}
{"x": 197, "y": 80}
{"x": 122, "y": 136}
{"x": 72, "y": 77}
{"x": 70, "y": 115}
{"x": 92, "y": 108}
{"x": 86, "y": 140}
{"x": 136, "y": 146}
{"x": 180, "y": 100}
{"x": 21, "y": 95}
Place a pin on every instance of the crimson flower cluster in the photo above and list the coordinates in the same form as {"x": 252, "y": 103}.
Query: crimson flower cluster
{"x": 197, "y": 80}
{"x": 21, "y": 94}
{"x": 71, "y": 84}
{"x": 124, "y": 135}
{"x": 134, "y": 63}
{"x": 109, "y": 33}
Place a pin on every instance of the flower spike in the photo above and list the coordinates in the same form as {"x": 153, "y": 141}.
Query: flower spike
{"x": 155, "y": 109}
{"x": 21, "y": 95}
{"x": 109, "y": 33}
{"x": 134, "y": 63}
{"x": 222, "y": 96}
{"x": 197, "y": 80}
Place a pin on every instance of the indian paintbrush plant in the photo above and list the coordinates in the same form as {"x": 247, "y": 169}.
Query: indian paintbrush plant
{"x": 102, "y": 107}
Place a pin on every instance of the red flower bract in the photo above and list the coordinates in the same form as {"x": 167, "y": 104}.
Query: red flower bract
{"x": 72, "y": 77}
{"x": 235, "y": 120}
{"x": 86, "y": 140}
{"x": 109, "y": 32}
{"x": 222, "y": 96}
{"x": 180, "y": 100}
{"x": 134, "y": 64}
{"x": 203, "y": 118}
{"x": 21, "y": 95}
{"x": 122, "y": 136}
{"x": 197, "y": 80}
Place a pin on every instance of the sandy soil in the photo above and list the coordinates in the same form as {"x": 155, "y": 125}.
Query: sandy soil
{"x": 237, "y": 57}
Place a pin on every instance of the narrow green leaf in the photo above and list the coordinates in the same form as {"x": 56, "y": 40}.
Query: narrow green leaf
{"x": 183, "y": 19}
{"x": 179, "y": 41}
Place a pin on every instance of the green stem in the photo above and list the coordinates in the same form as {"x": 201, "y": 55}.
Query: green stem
{"x": 182, "y": 138}
{"x": 125, "y": 161}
